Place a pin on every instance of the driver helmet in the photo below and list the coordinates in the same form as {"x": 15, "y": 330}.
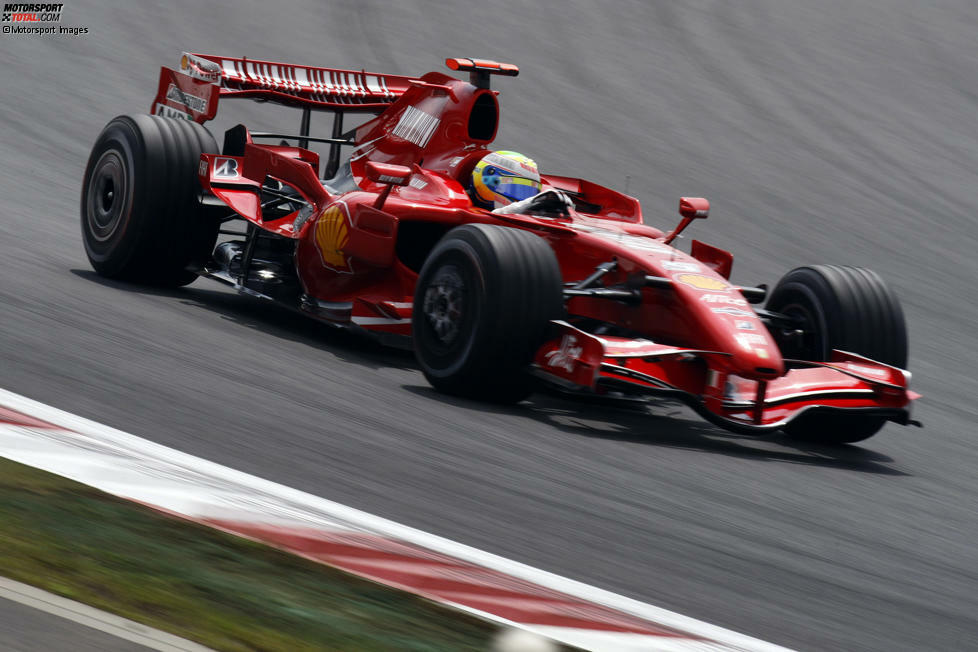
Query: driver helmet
{"x": 501, "y": 178}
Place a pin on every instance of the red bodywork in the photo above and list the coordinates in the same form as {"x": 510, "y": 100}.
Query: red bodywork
{"x": 697, "y": 337}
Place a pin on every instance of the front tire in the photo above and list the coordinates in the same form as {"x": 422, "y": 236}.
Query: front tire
{"x": 482, "y": 305}
{"x": 845, "y": 308}
{"x": 141, "y": 217}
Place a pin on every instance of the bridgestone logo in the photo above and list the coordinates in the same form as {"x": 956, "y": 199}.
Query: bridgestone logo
{"x": 226, "y": 168}
{"x": 193, "y": 102}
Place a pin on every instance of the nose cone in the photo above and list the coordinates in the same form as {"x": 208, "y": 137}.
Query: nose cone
{"x": 722, "y": 316}
{"x": 732, "y": 326}
{"x": 756, "y": 355}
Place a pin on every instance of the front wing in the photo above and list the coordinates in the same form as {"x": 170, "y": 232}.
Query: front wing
{"x": 579, "y": 361}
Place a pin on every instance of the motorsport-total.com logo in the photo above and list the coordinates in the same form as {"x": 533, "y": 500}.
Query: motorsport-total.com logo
{"x": 27, "y": 15}
{"x": 32, "y": 13}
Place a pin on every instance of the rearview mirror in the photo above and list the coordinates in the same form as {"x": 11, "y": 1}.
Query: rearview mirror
{"x": 694, "y": 207}
{"x": 691, "y": 208}
{"x": 395, "y": 175}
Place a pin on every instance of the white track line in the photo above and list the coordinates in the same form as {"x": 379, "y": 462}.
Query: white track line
{"x": 103, "y": 621}
{"x": 300, "y": 506}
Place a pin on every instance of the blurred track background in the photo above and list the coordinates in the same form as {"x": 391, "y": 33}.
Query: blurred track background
{"x": 829, "y": 132}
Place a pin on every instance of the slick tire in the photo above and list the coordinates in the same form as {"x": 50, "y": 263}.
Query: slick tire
{"x": 482, "y": 306}
{"x": 141, "y": 218}
{"x": 845, "y": 308}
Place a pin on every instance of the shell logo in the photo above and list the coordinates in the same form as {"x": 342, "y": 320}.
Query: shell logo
{"x": 701, "y": 282}
{"x": 332, "y": 234}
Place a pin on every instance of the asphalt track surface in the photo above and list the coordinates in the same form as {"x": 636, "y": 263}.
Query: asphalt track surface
{"x": 25, "y": 629}
{"x": 840, "y": 131}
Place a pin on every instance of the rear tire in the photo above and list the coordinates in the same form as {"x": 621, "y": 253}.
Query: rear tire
{"x": 845, "y": 308}
{"x": 141, "y": 217}
{"x": 482, "y": 305}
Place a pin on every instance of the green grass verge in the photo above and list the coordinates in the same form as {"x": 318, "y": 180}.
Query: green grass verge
{"x": 219, "y": 590}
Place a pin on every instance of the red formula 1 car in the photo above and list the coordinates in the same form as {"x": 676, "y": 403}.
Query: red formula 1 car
{"x": 569, "y": 287}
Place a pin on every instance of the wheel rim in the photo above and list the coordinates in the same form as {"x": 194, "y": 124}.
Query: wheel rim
{"x": 810, "y": 343}
{"x": 108, "y": 195}
{"x": 444, "y": 304}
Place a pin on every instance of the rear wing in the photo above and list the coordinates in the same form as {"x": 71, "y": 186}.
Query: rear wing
{"x": 190, "y": 93}
{"x": 193, "y": 93}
